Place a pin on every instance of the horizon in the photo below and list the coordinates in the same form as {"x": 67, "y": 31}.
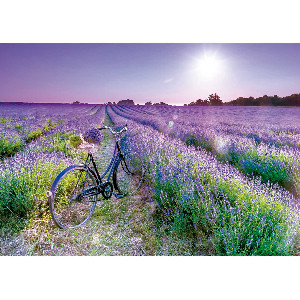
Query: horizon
{"x": 116, "y": 102}
{"x": 176, "y": 74}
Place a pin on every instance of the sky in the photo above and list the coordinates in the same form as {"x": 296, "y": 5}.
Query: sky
{"x": 172, "y": 73}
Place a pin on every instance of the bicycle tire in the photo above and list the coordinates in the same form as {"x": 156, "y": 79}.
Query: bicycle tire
{"x": 128, "y": 174}
{"x": 65, "y": 211}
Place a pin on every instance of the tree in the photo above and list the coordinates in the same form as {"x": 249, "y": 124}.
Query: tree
{"x": 161, "y": 103}
{"x": 76, "y": 102}
{"x": 126, "y": 102}
{"x": 199, "y": 102}
{"x": 148, "y": 103}
{"x": 215, "y": 99}
{"x": 292, "y": 100}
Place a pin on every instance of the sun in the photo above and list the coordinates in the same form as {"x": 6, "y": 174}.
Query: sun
{"x": 209, "y": 66}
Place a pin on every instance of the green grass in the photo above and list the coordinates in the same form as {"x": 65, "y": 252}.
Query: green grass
{"x": 10, "y": 147}
{"x": 33, "y": 135}
{"x": 66, "y": 142}
{"x": 22, "y": 194}
{"x": 75, "y": 140}
{"x": 19, "y": 126}
{"x": 49, "y": 125}
{"x": 273, "y": 168}
{"x": 5, "y": 120}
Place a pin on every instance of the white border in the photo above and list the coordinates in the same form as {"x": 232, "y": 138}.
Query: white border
{"x": 164, "y": 22}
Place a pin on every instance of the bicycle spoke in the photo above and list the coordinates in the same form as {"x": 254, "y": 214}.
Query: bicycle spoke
{"x": 70, "y": 207}
{"x": 129, "y": 174}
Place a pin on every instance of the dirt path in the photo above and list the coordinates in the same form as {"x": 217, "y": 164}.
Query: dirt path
{"x": 126, "y": 226}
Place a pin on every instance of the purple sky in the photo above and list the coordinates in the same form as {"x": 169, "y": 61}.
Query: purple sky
{"x": 98, "y": 73}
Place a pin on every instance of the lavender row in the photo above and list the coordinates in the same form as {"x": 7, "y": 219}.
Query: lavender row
{"x": 273, "y": 164}
{"x": 238, "y": 215}
{"x": 272, "y": 126}
{"x": 33, "y": 115}
{"x": 17, "y": 132}
{"x": 25, "y": 177}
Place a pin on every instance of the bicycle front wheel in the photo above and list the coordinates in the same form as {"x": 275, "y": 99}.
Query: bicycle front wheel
{"x": 71, "y": 199}
{"x": 129, "y": 174}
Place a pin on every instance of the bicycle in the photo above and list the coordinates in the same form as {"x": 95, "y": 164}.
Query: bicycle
{"x": 76, "y": 190}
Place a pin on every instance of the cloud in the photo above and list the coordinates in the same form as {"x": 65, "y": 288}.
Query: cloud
{"x": 168, "y": 80}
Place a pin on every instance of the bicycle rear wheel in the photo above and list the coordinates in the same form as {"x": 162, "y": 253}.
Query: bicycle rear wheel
{"x": 69, "y": 206}
{"x": 128, "y": 174}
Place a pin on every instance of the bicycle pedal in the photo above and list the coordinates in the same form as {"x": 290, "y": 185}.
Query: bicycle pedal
{"x": 119, "y": 195}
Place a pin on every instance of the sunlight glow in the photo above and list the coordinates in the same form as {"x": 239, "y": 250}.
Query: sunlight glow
{"x": 209, "y": 66}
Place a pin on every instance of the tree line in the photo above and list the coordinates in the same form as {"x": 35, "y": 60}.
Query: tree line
{"x": 292, "y": 100}
{"x": 215, "y": 100}
{"x": 212, "y": 99}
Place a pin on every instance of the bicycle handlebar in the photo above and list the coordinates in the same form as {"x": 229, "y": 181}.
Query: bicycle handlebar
{"x": 114, "y": 132}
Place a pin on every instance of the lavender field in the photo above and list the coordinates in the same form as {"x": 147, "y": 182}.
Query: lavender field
{"x": 36, "y": 143}
{"x": 225, "y": 178}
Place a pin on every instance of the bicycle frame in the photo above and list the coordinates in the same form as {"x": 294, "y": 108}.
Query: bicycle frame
{"x": 73, "y": 194}
{"x": 117, "y": 155}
